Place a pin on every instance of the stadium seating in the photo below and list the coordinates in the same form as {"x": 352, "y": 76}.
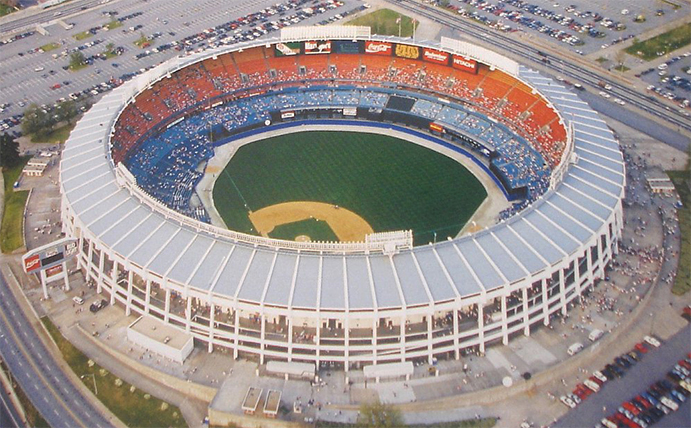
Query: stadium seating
{"x": 165, "y": 160}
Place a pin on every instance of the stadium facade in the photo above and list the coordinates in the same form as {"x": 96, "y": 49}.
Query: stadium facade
{"x": 351, "y": 303}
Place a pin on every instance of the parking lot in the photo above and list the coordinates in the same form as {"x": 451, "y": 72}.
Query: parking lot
{"x": 671, "y": 79}
{"x": 28, "y": 74}
{"x": 583, "y": 26}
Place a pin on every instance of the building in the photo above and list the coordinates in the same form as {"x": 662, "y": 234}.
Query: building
{"x": 348, "y": 304}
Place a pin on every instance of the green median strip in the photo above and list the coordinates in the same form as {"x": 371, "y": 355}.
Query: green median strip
{"x": 11, "y": 236}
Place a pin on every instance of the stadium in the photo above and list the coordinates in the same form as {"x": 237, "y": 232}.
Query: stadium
{"x": 131, "y": 170}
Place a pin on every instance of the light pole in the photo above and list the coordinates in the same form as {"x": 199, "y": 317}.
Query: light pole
{"x": 93, "y": 377}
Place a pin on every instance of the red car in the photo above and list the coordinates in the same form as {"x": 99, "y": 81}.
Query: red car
{"x": 631, "y": 408}
{"x": 641, "y": 348}
{"x": 56, "y": 86}
{"x": 596, "y": 380}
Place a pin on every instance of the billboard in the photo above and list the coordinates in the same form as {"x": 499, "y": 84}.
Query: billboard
{"x": 407, "y": 51}
{"x": 287, "y": 49}
{"x": 349, "y": 111}
{"x": 348, "y": 47}
{"x": 466, "y": 64}
{"x": 378, "y": 48}
{"x": 436, "y": 127}
{"x": 433, "y": 55}
{"x": 50, "y": 255}
{"x": 318, "y": 47}
{"x": 287, "y": 114}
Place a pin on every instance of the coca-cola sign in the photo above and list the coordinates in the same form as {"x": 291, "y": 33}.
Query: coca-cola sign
{"x": 378, "y": 48}
{"x": 465, "y": 64}
{"x": 433, "y": 55}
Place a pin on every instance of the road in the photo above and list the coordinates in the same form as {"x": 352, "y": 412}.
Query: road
{"x": 653, "y": 367}
{"x": 46, "y": 16}
{"x": 60, "y": 402}
{"x": 9, "y": 417}
{"x": 557, "y": 64}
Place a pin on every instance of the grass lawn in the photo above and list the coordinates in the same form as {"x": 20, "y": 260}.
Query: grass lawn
{"x": 682, "y": 283}
{"x": 83, "y": 35}
{"x": 469, "y": 423}
{"x": 662, "y": 44}
{"x": 11, "y": 236}
{"x": 50, "y": 46}
{"x": 143, "y": 42}
{"x": 79, "y": 67}
{"x": 113, "y": 24}
{"x": 621, "y": 68}
{"x": 315, "y": 229}
{"x": 132, "y": 408}
{"x": 391, "y": 183}
{"x": 5, "y": 10}
{"x": 58, "y": 135}
{"x": 383, "y": 21}
{"x": 601, "y": 60}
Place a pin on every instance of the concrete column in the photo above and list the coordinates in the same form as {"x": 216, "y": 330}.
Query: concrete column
{"x": 526, "y": 316}
{"x": 101, "y": 264}
{"x": 212, "y": 318}
{"x": 262, "y": 339}
{"x": 456, "y": 351}
{"x": 545, "y": 305}
{"x": 430, "y": 326}
{"x": 562, "y": 287}
{"x": 402, "y": 338}
{"x": 147, "y": 297}
{"x": 236, "y": 316}
{"x": 188, "y": 313}
{"x": 290, "y": 339}
{"x": 481, "y": 325}
{"x": 114, "y": 282}
{"x": 374, "y": 339}
{"x": 166, "y": 315}
{"x": 346, "y": 353}
{"x": 504, "y": 322}
{"x": 128, "y": 305}
{"x": 318, "y": 339}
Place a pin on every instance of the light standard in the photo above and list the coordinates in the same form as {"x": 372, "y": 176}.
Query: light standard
{"x": 93, "y": 377}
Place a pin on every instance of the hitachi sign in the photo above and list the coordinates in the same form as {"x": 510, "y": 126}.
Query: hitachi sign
{"x": 464, "y": 63}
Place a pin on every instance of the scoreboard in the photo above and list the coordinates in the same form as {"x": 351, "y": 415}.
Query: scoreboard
{"x": 49, "y": 255}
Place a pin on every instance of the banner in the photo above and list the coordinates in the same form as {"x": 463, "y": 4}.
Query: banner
{"x": 349, "y": 111}
{"x": 342, "y": 46}
{"x": 436, "y": 127}
{"x": 318, "y": 47}
{"x": 465, "y": 64}
{"x": 32, "y": 263}
{"x": 286, "y": 49}
{"x": 287, "y": 114}
{"x": 433, "y": 55}
{"x": 378, "y": 48}
{"x": 407, "y": 51}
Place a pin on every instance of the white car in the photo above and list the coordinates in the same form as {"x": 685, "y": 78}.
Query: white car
{"x": 651, "y": 341}
{"x": 39, "y": 68}
{"x": 605, "y": 94}
{"x": 567, "y": 401}
{"x": 600, "y": 376}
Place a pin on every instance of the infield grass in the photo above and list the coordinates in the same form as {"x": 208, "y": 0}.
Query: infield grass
{"x": 391, "y": 183}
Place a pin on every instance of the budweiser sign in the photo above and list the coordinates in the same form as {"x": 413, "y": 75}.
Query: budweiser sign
{"x": 378, "y": 48}
{"x": 465, "y": 64}
{"x": 432, "y": 55}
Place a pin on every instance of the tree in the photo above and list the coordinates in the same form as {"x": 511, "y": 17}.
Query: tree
{"x": 77, "y": 60}
{"x": 66, "y": 111}
{"x": 9, "y": 151}
{"x": 379, "y": 415}
{"x": 37, "y": 121}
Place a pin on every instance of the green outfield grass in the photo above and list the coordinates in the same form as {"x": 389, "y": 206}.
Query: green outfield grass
{"x": 391, "y": 183}
{"x": 315, "y": 229}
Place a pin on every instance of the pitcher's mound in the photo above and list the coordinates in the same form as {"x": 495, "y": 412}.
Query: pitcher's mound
{"x": 303, "y": 238}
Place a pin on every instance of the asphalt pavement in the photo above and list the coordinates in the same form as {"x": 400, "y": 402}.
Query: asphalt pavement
{"x": 61, "y": 404}
{"x": 653, "y": 367}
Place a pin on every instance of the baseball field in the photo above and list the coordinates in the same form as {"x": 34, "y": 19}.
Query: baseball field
{"x": 322, "y": 186}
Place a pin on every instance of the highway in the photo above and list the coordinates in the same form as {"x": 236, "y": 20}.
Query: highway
{"x": 9, "y": 417}
{"x": 558, "y": 64}
{"x": 47, "y": 15}
{"x": 60, "y": 402}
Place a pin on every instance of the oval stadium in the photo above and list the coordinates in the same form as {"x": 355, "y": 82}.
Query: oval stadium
{"x": 331, "y": 196}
